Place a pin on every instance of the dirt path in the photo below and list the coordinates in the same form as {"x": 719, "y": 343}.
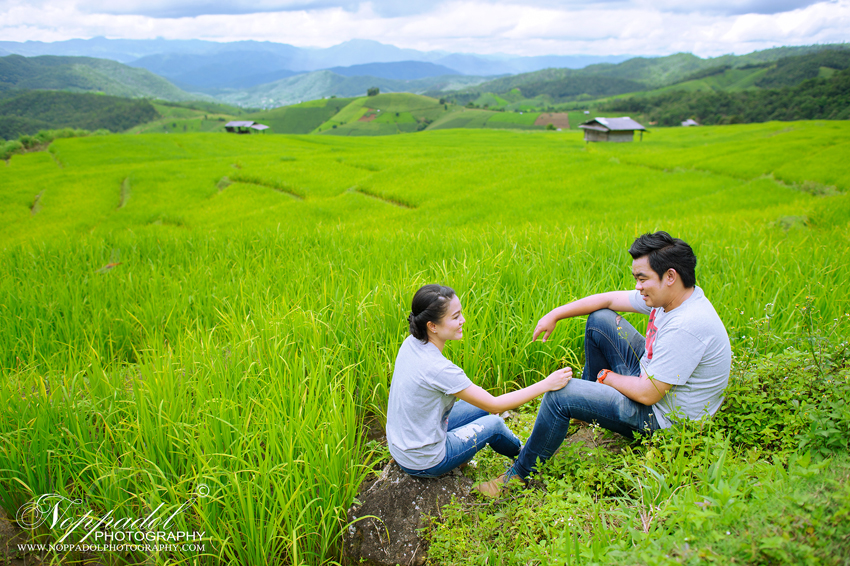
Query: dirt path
{"x": 557, "y": 119}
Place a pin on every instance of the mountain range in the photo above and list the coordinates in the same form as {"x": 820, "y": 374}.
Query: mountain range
{"x": 197, "y": 64}
{"x": 85, "y": 74}
{"x": 267, "y": 75}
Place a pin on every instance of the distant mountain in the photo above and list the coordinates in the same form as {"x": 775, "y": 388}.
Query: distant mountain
{"x": 211, "y": 73}
{"x": 401, "y": 70}
{"x": 121, "y": 50}
{"x": 511, "y": 65}
{"x": 282, "y": 57}
{"x": 81, "y": 74}
{"x": 323, "y": 84}
{"x": 787, "y": 66}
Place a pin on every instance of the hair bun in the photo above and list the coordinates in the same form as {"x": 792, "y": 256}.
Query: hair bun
{"x": 431, "y": 302}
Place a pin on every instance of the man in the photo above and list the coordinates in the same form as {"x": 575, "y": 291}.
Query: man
{"x": 631, "y": 383}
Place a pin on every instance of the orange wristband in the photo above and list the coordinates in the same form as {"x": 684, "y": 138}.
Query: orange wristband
{"x": 600, "y": 377}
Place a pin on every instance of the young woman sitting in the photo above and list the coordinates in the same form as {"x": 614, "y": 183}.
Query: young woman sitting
{"x": 428, "y": 433}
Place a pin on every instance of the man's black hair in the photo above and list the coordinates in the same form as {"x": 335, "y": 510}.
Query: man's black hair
{"x": 666, "y": 252}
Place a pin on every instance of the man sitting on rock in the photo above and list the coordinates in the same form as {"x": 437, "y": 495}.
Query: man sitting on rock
{"x": 630, "y": 383}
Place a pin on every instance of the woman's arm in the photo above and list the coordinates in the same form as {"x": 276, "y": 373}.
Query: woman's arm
{"x": 475, "y": 395}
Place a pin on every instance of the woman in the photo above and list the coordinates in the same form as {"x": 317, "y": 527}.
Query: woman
{"x": 428, "y": 433}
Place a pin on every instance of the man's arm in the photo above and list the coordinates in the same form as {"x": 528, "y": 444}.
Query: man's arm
{"x": 614, "y": 300}
{"x": 642, "y": 388}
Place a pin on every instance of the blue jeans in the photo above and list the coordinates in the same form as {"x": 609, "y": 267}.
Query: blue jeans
{"x": 610, "y": 342}
{"x": 470, "y": 430}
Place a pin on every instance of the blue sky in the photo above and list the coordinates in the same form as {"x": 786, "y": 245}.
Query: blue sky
{"x": 543, "y": 27}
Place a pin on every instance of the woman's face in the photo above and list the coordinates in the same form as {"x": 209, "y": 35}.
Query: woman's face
{"x": 450, "y": 327}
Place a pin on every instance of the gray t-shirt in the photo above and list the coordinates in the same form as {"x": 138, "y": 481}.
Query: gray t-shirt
{"x": 421, "y": 398}
{"x": 689, "y": 349}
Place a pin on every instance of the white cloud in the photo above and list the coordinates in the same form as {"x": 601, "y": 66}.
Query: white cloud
{"x": 648, "y": 27}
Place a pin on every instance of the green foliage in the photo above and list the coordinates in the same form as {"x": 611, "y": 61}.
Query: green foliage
{"x": 80, "y": 74}
{"x": 41, "y": 140}
{"x": 383, "y": 114}
{"x": 651, "y": 77}
{"x": 513, "y": 118}
{"x": 595, "y": 86}
{"x": 300, "y": 118}
{"x": 37, "y": 110}
{"x": 685, "y": 497}
{"x": 208, "y": 107}
{"x": 373, "y": 91}
{"x": 10, "y": 148}
{"x": 812, "y": 99}
{"x": 709, "y": 72}
{"x": 791, "y": 71}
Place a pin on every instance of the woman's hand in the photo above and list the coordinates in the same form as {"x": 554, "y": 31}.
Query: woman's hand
{"x": 558, "y": 379}
{"x": 475, "y": 395}
{"x": 545, "y": 326}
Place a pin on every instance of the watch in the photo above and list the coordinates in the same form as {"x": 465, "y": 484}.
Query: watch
{"x": 600, "y": 377}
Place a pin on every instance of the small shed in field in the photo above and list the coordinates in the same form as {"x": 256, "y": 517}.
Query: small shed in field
{"x": 611, "y": 129}
{"x": 690, "y": 122}
{"x": 244, "y": 127}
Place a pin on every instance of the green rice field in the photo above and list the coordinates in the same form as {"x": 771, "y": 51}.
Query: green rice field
{"x": 216, "y": 310}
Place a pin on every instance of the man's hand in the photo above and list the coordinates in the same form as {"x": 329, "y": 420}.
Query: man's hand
{"x": 545, "y": 325}
{"x": 614, "y": 300}
{"x": 558, "y": 379}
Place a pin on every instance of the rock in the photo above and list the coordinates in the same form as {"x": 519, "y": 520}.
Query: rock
{"x": 401, "y": 504}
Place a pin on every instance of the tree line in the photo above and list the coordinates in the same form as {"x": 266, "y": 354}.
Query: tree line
{"x": 813, "y": 99}
{"x": 31, "y": 111}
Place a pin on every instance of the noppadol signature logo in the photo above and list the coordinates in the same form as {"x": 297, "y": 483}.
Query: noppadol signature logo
{"x": 76, "y": 525}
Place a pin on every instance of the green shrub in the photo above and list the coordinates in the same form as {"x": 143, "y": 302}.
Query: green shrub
{"x": 42, "y": 139}
{"x": 9, "y": 148}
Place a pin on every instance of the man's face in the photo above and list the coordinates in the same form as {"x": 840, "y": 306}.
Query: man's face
{"x": 648, "y": 283}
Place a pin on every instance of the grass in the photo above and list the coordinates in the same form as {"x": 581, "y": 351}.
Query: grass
{"x": 391, "y": 113}
{"x": 234, "y": 336}
{"x": 300, "y": 118}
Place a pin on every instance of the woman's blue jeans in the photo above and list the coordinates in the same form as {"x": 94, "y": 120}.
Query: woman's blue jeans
{"x": 470, "y": 430}
{"x": 610, "y": 342}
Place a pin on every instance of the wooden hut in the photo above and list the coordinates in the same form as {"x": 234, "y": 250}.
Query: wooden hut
{"x": 244, "y": 127}
{"x": 611, "y": 129}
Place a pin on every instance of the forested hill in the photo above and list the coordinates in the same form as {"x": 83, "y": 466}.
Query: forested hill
{"x": 762, "y": 69}
{"x": 31, "y": 111}
{"x": 82, "y": 74}
{"x": 818, "y": 98}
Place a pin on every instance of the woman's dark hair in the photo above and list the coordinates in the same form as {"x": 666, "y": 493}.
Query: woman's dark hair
{"x": 429, "y": 305}
{"x": 666, "y": 252}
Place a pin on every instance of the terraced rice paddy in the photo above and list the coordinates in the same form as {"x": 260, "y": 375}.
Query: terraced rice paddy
{"x": 225, "y": 310}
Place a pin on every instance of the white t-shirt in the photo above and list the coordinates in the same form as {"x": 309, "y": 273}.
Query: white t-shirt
{"x": 421, "y": 398}
{"x": 689, "y": 349}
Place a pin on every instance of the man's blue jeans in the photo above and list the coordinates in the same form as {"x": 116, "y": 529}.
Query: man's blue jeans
{"x": 610, "y": 342}
{"x": 470, "y": 430}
